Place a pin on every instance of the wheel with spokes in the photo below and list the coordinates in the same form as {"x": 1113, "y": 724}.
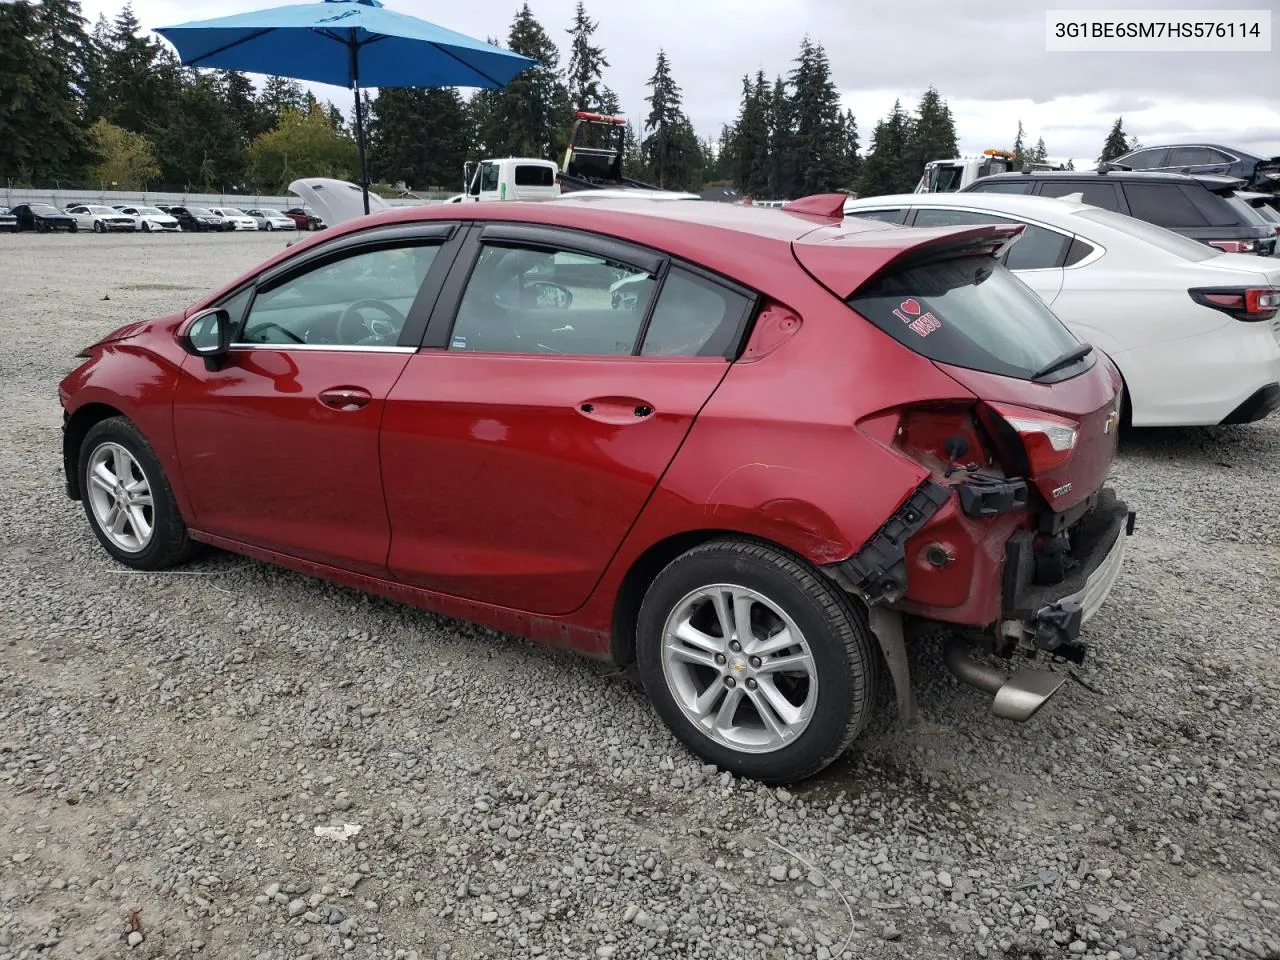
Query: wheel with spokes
{"x": 128, "y": 500}
{"x": 756, "y": 661}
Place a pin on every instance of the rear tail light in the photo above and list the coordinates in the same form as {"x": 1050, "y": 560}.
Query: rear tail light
{"x": 1235, "y": 246}
{"x": 1243, "y": 303}
{"x": 1049, "y": 440}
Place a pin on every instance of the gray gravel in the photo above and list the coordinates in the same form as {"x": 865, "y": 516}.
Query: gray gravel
{"x": 169, "y": 743}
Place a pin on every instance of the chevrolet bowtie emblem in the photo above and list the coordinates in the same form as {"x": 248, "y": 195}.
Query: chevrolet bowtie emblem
{"x": 1113, "y": 419}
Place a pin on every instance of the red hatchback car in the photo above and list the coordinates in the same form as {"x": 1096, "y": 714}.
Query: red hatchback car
{"x": 745, "y": 450}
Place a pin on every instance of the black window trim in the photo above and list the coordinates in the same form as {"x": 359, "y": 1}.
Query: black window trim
{"x": 444, "y": 233}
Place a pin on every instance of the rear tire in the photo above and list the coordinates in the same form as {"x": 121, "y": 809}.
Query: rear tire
{"x": 127, "y": 498}
{"x": 801, "y": 699}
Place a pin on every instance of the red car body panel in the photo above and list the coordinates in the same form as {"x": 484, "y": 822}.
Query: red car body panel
{"x": 306, "y": 477}
{"x": 513, "y": 480}
{"x": 485, "y": 491}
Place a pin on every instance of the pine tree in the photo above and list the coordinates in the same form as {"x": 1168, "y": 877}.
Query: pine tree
{"x": 250, "y": 116}
{"x": 418, "y": 136}
{"x": 1038, "y": 153}
{"x": 748, "y": 160}
{"x": 661, "y": 145}
{"x": 780, "y": 185}
{"x": 586, "y": 65}
{"x": 1116, "y": 145}
{"x": 534, "y": 105}
{"x": 280, "y": 95}
{"x": 886, "y": 168}
{"x": 817, "y": 148}
{"x": 853, "y": 159}
{"x": 200, "y": 147}
{"x": 66, "y": 43}
{"x": 933, "y": 136}
{"x": 1019, "y": 148}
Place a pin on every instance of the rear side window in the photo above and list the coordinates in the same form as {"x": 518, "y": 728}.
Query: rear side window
{"x": 1095, "y": 194}
{"x": 1036, "y": 249}
{"x": 1000, "y": 186}
{"x": 693, "y": 317}
{"x": 885, "y": 216}
{"x": 1163, "y": 205}
{"x": 971, "y": 313}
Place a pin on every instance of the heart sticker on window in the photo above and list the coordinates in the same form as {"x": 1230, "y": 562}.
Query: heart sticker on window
{"x": 911, "y": 306}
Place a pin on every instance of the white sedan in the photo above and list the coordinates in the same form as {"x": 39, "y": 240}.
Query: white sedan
{"x": 241, "y": 219}
{"x": 90, "y": 216}
{"x": 152, "y": 219}
{"x": 271, "y": 220}
{"x": 1195, "y": 332}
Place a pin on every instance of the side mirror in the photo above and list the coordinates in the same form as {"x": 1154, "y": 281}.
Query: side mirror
{"x": 209, "y": 336}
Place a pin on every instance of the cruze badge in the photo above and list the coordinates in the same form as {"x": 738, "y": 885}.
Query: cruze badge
{"x": 1059, "y": 491}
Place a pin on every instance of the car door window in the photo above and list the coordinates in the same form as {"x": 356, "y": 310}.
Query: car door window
{"x": 360, "y": 300}
{"x": 1036, "y": 249}
{"x": 1217, "y": 156}
{"x": 1189, "y": 156}
{"x": 887, "y": 216}
{"x": 1145, "y": 159}
{"x": 1165, "y": 205}
{"x": 1078, "y": 251}
{"x": 526, "y": 299}
{"x": 694, "y": 317}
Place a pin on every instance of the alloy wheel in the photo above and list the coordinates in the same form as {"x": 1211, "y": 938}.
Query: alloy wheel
{"x": 121, "y": 498}
{"x": 739, "y": 668}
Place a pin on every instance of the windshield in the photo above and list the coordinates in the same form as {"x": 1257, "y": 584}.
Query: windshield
{"x": 104, "y": 211}
{"x": 42, "y": 208}
{"x": 151, "y": 211}
{"x": 945, "y": 178}
{"x": 232, "y": 212}
{"x": 969, "y": 312}
{"x": 200, "y": 212}
{"x": 1166, "y": 240}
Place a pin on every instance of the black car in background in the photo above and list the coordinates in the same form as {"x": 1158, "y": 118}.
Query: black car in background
{"x": 1195, "y": 206}
{"x": 1256, "y": 172}
{"x": 8, "y": 222}
{"x": 199, "y": 219}
{"x": 43, "y": 218}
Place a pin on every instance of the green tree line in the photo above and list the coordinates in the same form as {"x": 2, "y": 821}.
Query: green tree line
{"x": 110, "y": 106}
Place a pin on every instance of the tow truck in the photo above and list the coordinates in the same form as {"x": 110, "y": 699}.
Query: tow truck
{"x": 949, "y": 176}
{"x": 587, "y": 166}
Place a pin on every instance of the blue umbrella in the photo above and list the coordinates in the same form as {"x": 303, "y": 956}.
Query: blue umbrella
{"x": 345, "y": 43}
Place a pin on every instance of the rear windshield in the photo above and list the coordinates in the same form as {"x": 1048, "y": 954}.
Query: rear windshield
{"x": 1166, "y": 240}
{"x": 971, "y": 313}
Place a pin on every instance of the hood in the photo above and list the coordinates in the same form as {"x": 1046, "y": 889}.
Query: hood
{"x": 335, "y": 201}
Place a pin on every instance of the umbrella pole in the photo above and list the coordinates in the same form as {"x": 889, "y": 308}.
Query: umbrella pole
{"x": 355, "y": 84}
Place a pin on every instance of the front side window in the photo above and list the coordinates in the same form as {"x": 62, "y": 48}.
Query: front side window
{"x": 694, "y": 317}
{"x": 360, "y": 300}
{"x": 489, "y": 177}
{"x": 1036, "y": 249}
{"x": 970, "y": 312}
{"x": 526, "y": 299}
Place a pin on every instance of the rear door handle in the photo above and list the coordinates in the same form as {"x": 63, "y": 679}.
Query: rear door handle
{"x": 345, "y": 398}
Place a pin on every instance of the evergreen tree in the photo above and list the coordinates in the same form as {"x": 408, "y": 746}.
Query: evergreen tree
{"x": 670, "y": 146}
{"x": 201, "y": 146}
{"x": 250, "y": 116}
{"x": 336, "y": 119}
{"x": 748, "y": 159}
{"x": 933, "y": 135}
{"x": 534, "y": 109}
{"x": 65, "y": 42}
{"x": 886, "y": 169}
{"x": 1038, "y": 153}
{"x": 1116, "y": 145}
{"x": 1019, "y": 148}
{"x": 41, "y": 137}
{"x": 280, "y": 95}
{"x": 418, "y": 136}
{"x": 853, "y": 159}
{"x": 779, "y": 185}
{"x": 818, "y": 149}
{"x": 486, "y": 128}
{"x": 586, "y": 65}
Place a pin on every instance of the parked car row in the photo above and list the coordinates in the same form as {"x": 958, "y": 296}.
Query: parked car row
{"x": 162, "y": 218}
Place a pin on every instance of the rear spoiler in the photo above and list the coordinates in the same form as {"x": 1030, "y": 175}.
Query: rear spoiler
{"x": 1223, "y": 187}
{"x": 845, "y": 262}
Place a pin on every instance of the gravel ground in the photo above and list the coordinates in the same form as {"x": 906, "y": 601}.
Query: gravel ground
{"x": 169, "y": 743}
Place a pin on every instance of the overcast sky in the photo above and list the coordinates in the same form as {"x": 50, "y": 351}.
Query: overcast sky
{"x": 987, "y": 59}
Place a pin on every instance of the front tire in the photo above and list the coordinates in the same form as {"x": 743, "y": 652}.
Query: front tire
{"x": 755, "y": 661}
{"x": 269, "y": 226}
{"x": 127, "y": 498}
{"x": 98, "y": 227}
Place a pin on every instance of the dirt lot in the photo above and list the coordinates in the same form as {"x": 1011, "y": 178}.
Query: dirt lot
{"x": 169, "y": 743}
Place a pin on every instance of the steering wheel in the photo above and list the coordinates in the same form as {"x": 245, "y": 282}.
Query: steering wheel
{"x": 355, "y": 329}
{"x": 262, "y": 328}
{"x": 547, "y": 293}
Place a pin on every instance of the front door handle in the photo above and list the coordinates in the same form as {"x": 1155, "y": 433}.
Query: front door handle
{"x": 616, "y": 410}
{"x": 345, "y": 398}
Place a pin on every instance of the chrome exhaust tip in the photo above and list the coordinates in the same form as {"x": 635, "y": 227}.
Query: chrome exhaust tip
{"x": 1018, "y": 697}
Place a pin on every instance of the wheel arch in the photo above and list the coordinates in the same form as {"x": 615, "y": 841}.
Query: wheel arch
{"x": 645, "y": 569}
{"x": 74, "y": 431}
